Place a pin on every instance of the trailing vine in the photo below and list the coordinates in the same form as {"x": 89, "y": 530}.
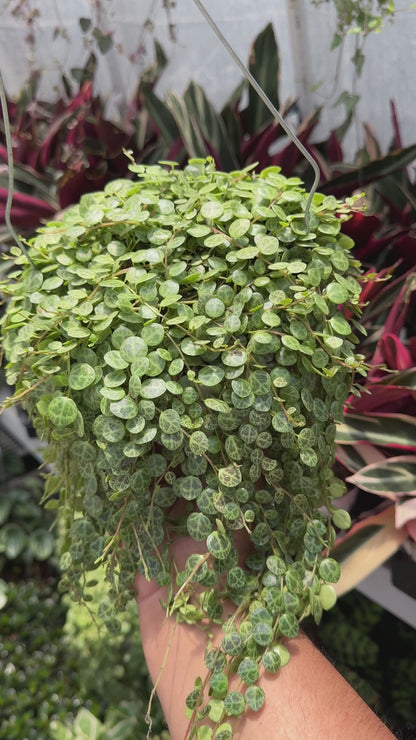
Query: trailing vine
{"x": 180, "y": 340}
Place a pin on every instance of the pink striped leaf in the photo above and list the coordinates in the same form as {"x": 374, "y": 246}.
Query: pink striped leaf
{"x": 394, "y": 477}
{"x": 384, "y": 430}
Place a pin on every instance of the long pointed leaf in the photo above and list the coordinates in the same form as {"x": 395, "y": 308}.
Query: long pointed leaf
{"x": 264, "y": 65}
{"x": 357, "y": 178}
{"x": 405, "y": 512}
{"x": 210, "y": 124}
{"x": 366, "y": 546}
{"x": 405, "y": 379}
{"x": 153, "y": 72}
{"x": 161, "y": 116}
{"x": 188, "y": 127}
{"x": 385, "y": 430}
{"x": 384, "y": 399}
{"x": 356, "y": 457}
{"x": 394, "y": 477}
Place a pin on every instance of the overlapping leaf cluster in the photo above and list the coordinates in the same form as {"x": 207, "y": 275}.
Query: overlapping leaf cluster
{"x": 180, "y": 338}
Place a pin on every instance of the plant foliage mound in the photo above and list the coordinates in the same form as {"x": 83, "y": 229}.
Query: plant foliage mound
{"x": 179, "y": 338}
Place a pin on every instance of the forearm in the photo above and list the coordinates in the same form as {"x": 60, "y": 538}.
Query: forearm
{"x": 305, "y": 700}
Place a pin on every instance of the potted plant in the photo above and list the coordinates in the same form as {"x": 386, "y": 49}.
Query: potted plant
{"x": 179, "y": 341}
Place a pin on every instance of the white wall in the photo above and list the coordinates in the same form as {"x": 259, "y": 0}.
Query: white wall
{"x": 388, "y": 73}
{"x": 304, "y": 35}
{"x": 196, "y": 53}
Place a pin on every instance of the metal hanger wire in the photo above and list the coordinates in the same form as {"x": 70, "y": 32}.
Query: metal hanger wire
{"x": 268, "y": 103}
{"x": 10, "y": 188}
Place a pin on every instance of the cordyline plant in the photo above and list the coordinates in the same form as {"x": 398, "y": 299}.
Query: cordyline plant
{"x": 68, "y": 147}
{"x": 376, "y": 441}
{"x": 180, "y": 338}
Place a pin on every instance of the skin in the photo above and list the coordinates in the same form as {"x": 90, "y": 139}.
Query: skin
{"x": 306, "y": 700}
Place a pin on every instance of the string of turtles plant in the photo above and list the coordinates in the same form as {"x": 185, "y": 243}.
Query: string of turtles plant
{"x": 180, "y": 338}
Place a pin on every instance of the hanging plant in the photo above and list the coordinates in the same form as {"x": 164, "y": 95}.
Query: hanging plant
{"x": 180, "y": 339}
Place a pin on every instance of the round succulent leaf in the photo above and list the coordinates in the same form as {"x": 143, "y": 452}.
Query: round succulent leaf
{"x": 198, "y": 443}
{"x": 237, "y": 579}
{"x": 170, "y": 421}
{"x": 248, "y": 433}
{"x": 333, "y": 343}
{"x": 109, "y": 428}
{"x": 188, "y": 487}
{"x": 232, "y": 643}
{"x": 230, "y": 476}
{"x": 327, "y": 596}
{"x": 212, "y": 210}
{"x": 267, "y": 245}
{"x": 153, "y": 388}
{"x": 308, "y": 457}
{"x": 62, "y": 411}
{"x": 263, "y": 633}
{"x": 276, "y": 565}
{"x": 340, "y": 325}
{"x": 255, "y": 698}
{"x": 219, "y": 545}
{"x": 133, "y": 347}
{"x": 238, "y": 228}
{"x": 271, "y": 660}
{"x": 81, "y": 376}
{"x": 241, "y": 387}
{"x": 281, "y": 423}
{"x": 216, "y": 404}
{"x": 260, "y": 382}
{"x": 248, "y": 671}
{"x": 329, "y": 570}
{"x": 218, "y": 684}
{"x": 234, "y": 704}
{"x": 193, "y": 699}
{"x": 283, "y": 654}
{"x": 341, "y": 519}
{"x": 114, "y": 359}
{"x": 139, "y": 367}
{"x": 153, "y": 334}
{"x": 113, "y": 394}
{"x": 214, "y": 308}
{"x": 298, "y": 329}
{"x": 114, "y": 378}
{"x": 211, "y": 375}
{"x": 288, "y": 625}
{"x": 320, "y": 358}
{"x": 172, "y": 441}
{"x": 290, "y": 342}
{"x": 147, "y": 409}
{"x": 234, "y": 448}
{"x": 260, "y": 614}
{"x": 336, "y": 293}
{"x": 156, "y": 465}
{"x": 224, "y": 732}
{"x": 215, "y": 660}
{"x": 235, "y": 357}
{"x": 199, "y": 526}
{"x": 232, "y": 323}
{"x": 126, "y": 408}
{"x": 247, "y": 253}
{"x": 176, "y": 366}
{"x": 136, "y": 425}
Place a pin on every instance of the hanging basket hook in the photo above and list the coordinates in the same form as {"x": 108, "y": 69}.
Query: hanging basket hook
{"x": 10, "y": 189}
{"x": 268, "y": 103}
